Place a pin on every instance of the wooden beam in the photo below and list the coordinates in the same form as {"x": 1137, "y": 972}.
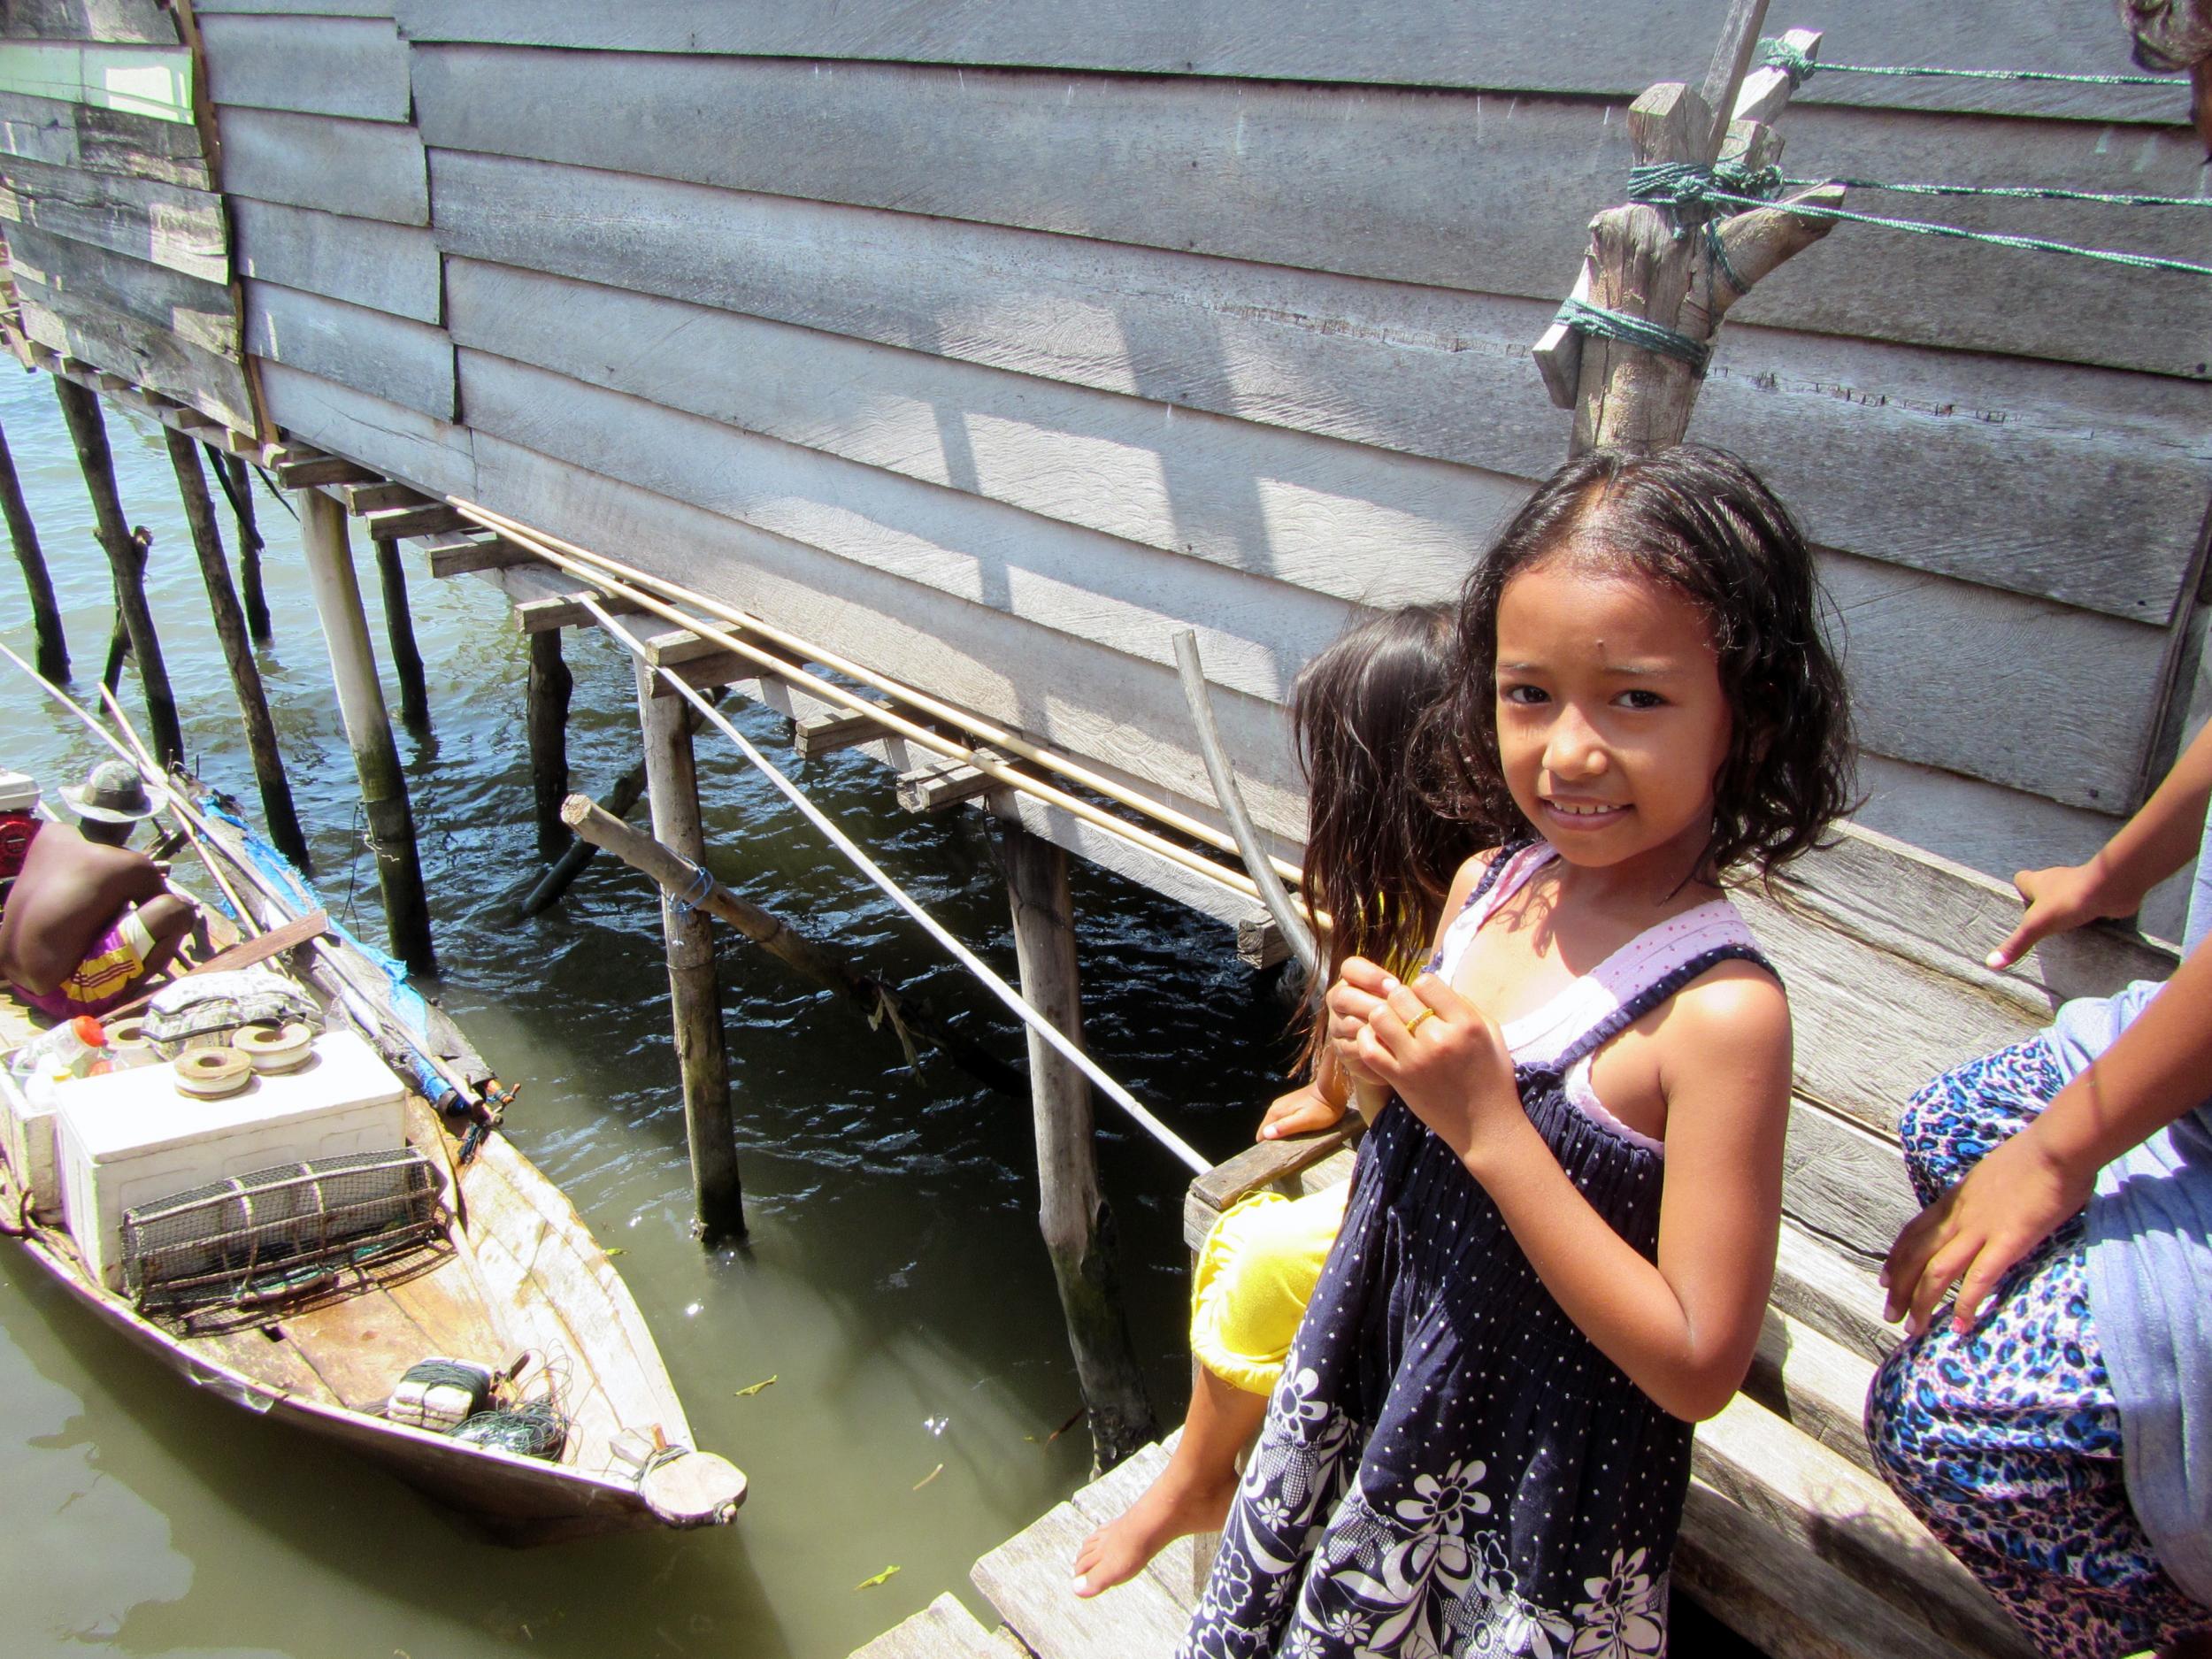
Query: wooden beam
{"x": 393, "y": 523}
{"x": 306, "y": 469}
{"x": 932, "y": 788}
{"x": 818, "y": 734}
{"x": 694, "y": 989}
{"x": 556, "y": 611}
{"x": 365, "y": 498}
{"x": 468, "y": 555}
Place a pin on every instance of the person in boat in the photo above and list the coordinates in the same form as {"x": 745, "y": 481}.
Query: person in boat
{"x": 1379, "y": 861}
{"x": 111, "y": 803}
{"x": 83, "y": 925}
{"x": 2054, "y": 1427}
{"x": 1559, "y": 1238}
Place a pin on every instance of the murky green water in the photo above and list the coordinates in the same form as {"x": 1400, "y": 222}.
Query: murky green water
{"x": 894, "y": 1284}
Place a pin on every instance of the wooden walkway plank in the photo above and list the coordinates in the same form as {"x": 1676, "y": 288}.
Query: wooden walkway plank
{"x": 943, "y": 1629}
{"x": 1026, "y": 1579}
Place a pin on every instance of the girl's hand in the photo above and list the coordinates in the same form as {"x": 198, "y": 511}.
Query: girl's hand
{"x": 2065, "y": 896}
{"x": 1441, "y": 1054}
{"x": 1299, "y": 1112}
{"x": 2007, "y": 1205}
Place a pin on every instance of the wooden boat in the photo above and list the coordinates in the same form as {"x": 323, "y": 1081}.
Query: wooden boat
{"x": 511, "y": 1268}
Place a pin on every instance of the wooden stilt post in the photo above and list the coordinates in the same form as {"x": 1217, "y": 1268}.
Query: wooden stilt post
{"x": 230, "y": 628}
{"x": 546, "y": 718}
{"x": 399, "y": 627}
{"x": 1078, "y": 1225}
{"x": 53, "y": 649}
{"x": 82, "y": 409}
{"x": 671, "y": 783}
{"x": 237, "y": 481}
{"x": 368, "y": 731}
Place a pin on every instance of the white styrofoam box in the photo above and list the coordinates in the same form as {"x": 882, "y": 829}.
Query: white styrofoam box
{"x": 130, "y": 1138}
{"x": 18, "y": 792}
{"x": 27, "y": 1136}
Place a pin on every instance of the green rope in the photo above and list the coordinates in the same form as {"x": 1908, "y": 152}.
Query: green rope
{"x": 1585, "y": 318}
{"x": 1686, "y": 184}
{"x": 2009, "y": 192}
{"x": 1798, "y": 67}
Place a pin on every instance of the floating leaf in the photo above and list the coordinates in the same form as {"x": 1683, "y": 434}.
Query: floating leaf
{"x": 746, "y": 1394}
{"x": 884, "y": 1576}
{"x": 612, "y": 1249}
{"x": 931, "y": 1476}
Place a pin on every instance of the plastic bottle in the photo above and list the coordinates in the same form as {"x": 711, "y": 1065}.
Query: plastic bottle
{"x": 77, "y": 1047}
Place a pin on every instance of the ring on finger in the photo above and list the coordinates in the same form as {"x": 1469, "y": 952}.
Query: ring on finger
{"x": 1414, "y": 1024}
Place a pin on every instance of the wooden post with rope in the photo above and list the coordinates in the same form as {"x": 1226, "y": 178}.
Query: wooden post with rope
{"x": 87, "y": 430}
{"x": 1072, "y": 1212}
{"x": 230, "y": 628}
{"x": 53, "y": 649}
{"x": 671, "y": 782}
{"x": 1629, "y": 346}
{"x": 368, "y": 729}
{"x": 545, "y": 719}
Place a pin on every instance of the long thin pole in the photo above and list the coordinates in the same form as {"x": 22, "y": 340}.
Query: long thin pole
{"x": 936, "y": 929}
{"x": 53, "y": 648}
{"x": 545, "y": 721}
{"x": 88, "y": 431}
{"x": 399, "y": 627}
{"x": 230, "y": 629}
{"x": 231, "y": 473}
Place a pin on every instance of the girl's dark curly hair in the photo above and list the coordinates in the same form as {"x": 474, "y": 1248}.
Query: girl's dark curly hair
{"x": 1698, "y": 521}
{"x": 1379, "y": 858}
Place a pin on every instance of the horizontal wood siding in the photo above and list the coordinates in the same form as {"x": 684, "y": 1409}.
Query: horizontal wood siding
{"x": 435, "y": 457}
{"x": 153, "y": 82}
{"x": 84, "y": 137}
{"x": 141, "y": 22}
{"x": 1503, "y": 45}
{"x": 363, "y": 261}
{"x": 368, "y": 169}
{"x": 1896, "y": 453}
{"x": 163, "y": 224}
{"x": 319, "y": 66}
{"x": 402, "y": 362}
{"x": 125, "y": 345}
{"x": 1396, "y": 184}
{"x": 58, "y": 273}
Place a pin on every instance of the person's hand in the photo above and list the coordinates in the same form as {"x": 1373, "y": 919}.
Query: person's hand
{"x": 1441, "y": 1054}
{"x": 1971, "y": 1236}
{"x": 1299, "y": 1112}
{"x": 2063, "y": 897}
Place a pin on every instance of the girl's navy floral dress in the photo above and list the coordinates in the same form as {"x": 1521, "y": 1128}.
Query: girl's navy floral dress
{"x": 1449, "y": 1465}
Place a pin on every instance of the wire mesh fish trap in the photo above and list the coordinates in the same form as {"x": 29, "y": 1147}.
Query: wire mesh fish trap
{"x": 278, "y": 1232}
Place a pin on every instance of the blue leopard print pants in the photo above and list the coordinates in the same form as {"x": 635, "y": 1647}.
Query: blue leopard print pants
{"x": 2006, "y": 1440}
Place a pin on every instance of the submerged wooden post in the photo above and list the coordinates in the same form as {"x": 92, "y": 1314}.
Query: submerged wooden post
{"x": 368, "y": 731}
{"x": 237, "y": 481}
{"x": 53, "y": 649}
{"x": 1078, "y": 1225}
{"x": 695, "y": 992}
{"x": 546, "y": 718}
{"x": 230, "y": 628}
{"x": 399, "y": 627}
{"x": 88, "y": 431}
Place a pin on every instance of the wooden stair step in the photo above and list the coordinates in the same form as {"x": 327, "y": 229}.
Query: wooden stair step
{"x": 943, "y": 1629}
{"x": 1814, "y": 1383}
{"x": 1026, "y": 1580}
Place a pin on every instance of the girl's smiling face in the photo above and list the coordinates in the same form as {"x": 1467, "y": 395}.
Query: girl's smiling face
{"x": 1612, "y": 723}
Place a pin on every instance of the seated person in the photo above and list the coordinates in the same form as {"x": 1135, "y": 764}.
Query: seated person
{"x": 83, "y": 925}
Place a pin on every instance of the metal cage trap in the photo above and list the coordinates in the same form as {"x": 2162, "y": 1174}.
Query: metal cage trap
{"x": 280, "y": 1232}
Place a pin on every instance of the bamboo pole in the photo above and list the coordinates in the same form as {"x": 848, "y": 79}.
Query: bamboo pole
{"x": 230, "y": 628}
{"x": 53, "y": 648}
{"x": 1071, "y": 1210}
{"x": 545, "y": 717}
{"x": 236, "y": 478}
{"x": 368, "y": 729}
{"x": 88, "y": 431}
{"x": 671, "y": 782}
{"x": 399, "y": 627}
{"x": 621, "y": 578}
{"x": 875, "y": 999}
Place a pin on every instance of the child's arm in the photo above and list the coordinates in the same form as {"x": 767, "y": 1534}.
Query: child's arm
{"x": 1317, "y": 1103}
{"x": 2149, "y": 847}
{"x": 2010, "y": 1200}
{"x": 1683, "y": 1327}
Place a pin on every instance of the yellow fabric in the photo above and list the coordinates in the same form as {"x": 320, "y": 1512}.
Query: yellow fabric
{"x": 1256, "y": 1274}
{"x": 116, "y": 958}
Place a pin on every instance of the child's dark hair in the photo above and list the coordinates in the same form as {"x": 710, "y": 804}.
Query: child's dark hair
{"x": 1379, "y": 858}
{"x": 1699, "y": 521}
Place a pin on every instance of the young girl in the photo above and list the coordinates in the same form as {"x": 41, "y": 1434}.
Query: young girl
{"x": 1561, "y": 1231}
{"x": 1379, "y": 861}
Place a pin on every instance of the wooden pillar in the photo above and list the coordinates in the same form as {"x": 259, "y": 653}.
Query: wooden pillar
{"x": 368, "y": 732}
{"x": 82, "y": 409}
{"x": 237, "y": 481}
{"x": 230, "y": 628}
{"x": 399, "y": 627}
{"x": 671, "y": 785}
{"x": 546, "y": 720}
{"x": 53, "y": 649}
{"x": 1078, "y": 1225}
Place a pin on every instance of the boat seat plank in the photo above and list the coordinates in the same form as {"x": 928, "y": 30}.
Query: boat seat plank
{"x": 266, "y": 1355}
{"x": 453, "y": 1320}
{"x": 360, "y": 1344}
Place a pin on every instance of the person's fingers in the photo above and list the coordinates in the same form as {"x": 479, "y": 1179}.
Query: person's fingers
{"x": 1437, "y": 992}
{"x": 1988, "y": 1270}
{"x": 2033, "y": 927}
{"x": 1367, "y": 976}
{"x": 1301, "y": 1119}
{"x": 1372, "y": 1053}
{"x": 1405, "y": 1004}
{"x": 1935, "y": 1279}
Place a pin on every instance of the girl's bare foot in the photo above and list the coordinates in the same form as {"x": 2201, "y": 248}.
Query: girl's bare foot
{"x": 1179, "y": 1503}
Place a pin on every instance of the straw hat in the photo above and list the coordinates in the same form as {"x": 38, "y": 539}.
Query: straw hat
{"x": 113, "y": 793}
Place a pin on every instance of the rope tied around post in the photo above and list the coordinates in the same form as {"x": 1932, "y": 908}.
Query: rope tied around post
{"x": 1608, "y": 324}
{"x": 696, "y": 891}
{"x": 1691, "y": 190}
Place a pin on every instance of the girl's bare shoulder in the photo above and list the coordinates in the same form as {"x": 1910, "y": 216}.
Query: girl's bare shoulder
{"x": 1735, "y": 1008}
